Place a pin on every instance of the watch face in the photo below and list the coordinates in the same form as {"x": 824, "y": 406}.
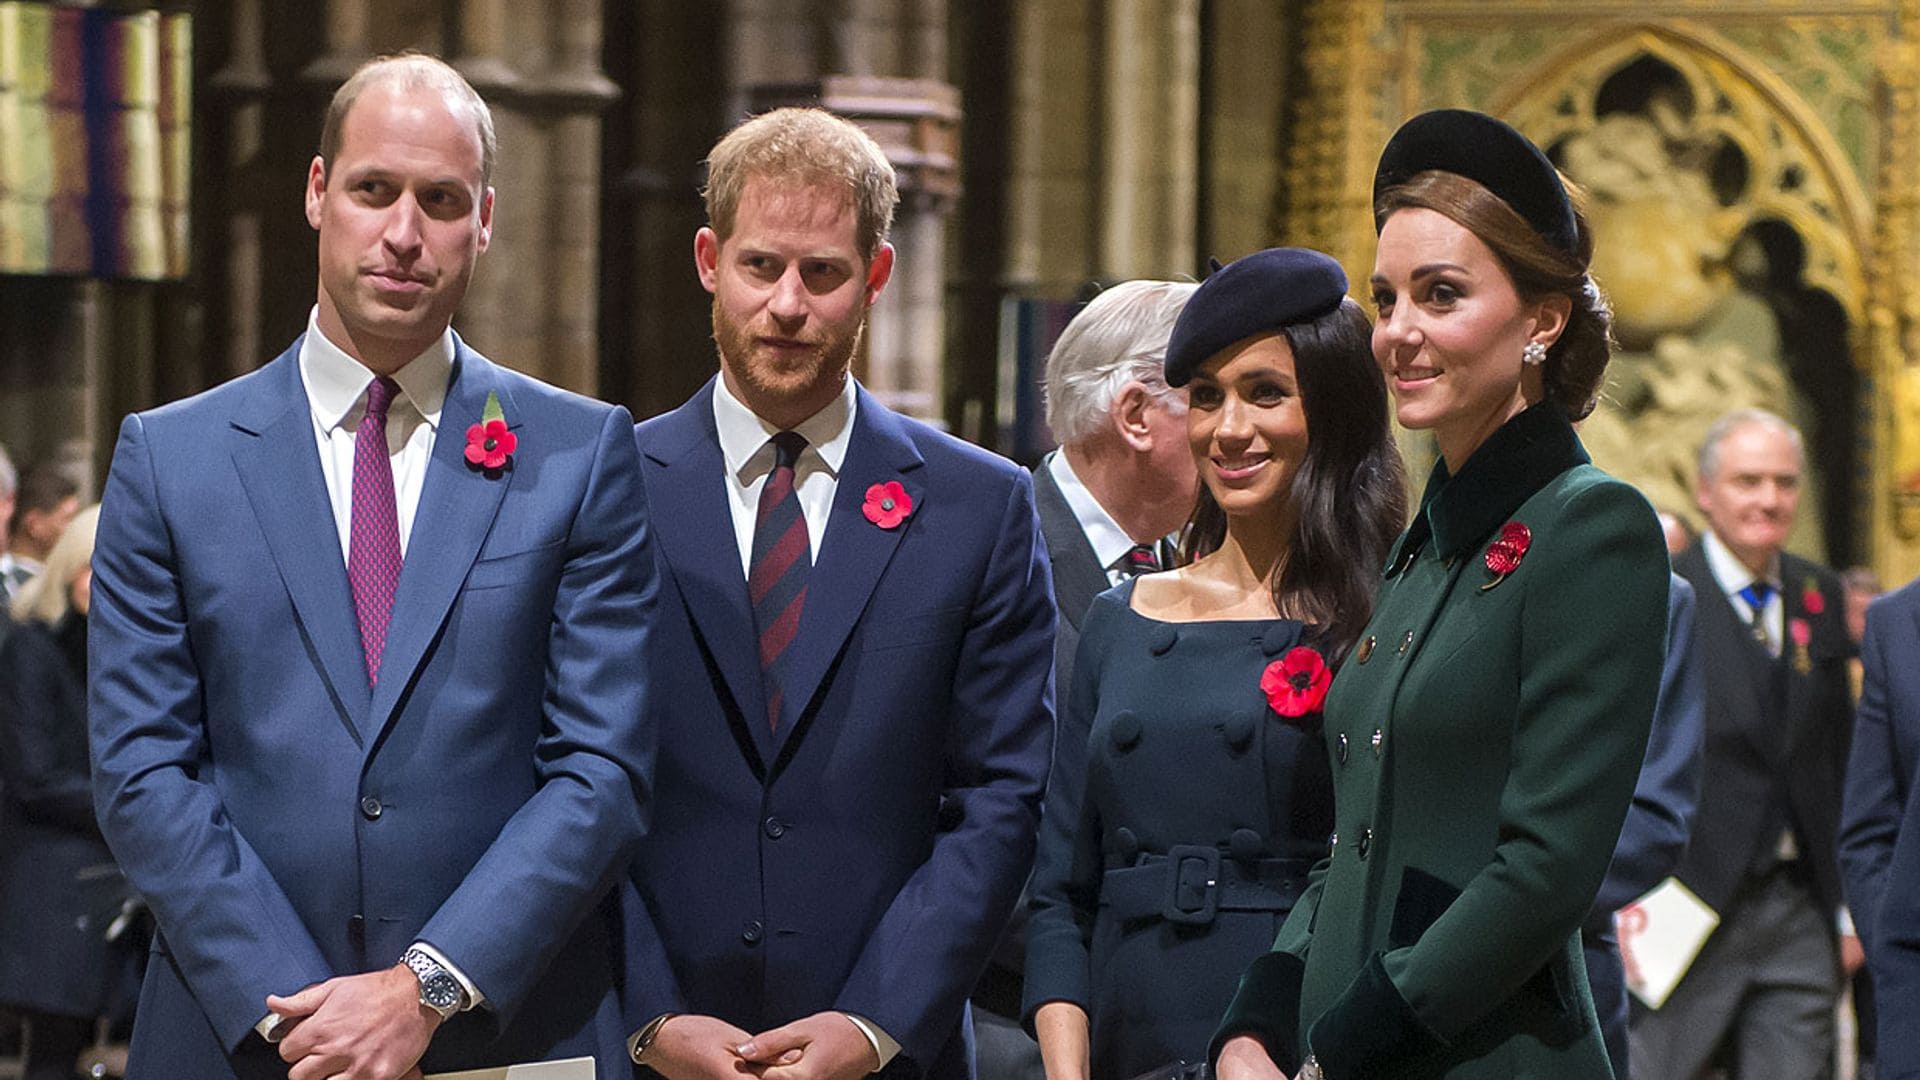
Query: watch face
{"x": 441, "y": 992}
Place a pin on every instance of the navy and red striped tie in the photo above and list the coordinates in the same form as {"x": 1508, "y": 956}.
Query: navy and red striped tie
{"x": 777, "y": 572}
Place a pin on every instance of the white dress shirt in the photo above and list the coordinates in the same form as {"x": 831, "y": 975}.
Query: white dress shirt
{"x": 747, "y": 448}
{"x": 1732, "y": 576}
{"x": 1109, "y": 541}
{"x": 748, "y": 453}
{"x": 336, "y": 386}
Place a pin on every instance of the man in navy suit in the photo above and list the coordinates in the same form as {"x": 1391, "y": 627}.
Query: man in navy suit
{"x": 856, "y": 647}
{"x": 1880, "y": 823}
{"x": 364, "y": 727}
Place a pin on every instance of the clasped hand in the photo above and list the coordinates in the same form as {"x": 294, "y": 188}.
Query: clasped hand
{"x": 356, "y": 1027}
{"x": 824, "y": 1046}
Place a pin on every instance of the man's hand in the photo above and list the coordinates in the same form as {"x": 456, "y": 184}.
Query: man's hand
{"x": 1852, "y": 955}
{"x": 357, "y": 1027}
{"x": 1245, "y": 1058}
{"x": 690, "y": 1047}
{"x": 824, "y": 1046}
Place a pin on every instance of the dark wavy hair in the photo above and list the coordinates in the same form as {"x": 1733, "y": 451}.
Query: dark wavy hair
{"x": 1576, "y": 364}
{"x": 1349, "y": 495}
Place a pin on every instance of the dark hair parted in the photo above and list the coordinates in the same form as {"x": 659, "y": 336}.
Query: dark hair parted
{"x": 1576, "y": 364}
{"x": 1349, "y": 495}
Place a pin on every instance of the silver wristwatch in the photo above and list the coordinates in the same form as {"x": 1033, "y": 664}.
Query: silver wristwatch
{"x": 1310, "y": 1069}
{"x": 439, "y": 990}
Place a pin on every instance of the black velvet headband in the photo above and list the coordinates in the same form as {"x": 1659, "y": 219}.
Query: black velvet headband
{"x": 1489, "y": 152}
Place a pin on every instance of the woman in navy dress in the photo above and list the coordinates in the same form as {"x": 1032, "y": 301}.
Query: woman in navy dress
{"x": 1191, "y": 792}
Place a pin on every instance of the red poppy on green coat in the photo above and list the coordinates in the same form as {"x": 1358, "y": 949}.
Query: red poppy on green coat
{"x": 1296, "y": 684}
{"x": 887, "y": 505}
{"x": 1507, "y": 549}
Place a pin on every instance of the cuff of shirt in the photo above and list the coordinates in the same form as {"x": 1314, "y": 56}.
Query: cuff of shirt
{"x": 1845, "y": 924}
{"x": 884, "y": 1047}
{"x": 475, "y": 998}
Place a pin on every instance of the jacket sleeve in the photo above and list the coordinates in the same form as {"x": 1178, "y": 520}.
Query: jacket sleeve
{"x": 1592, "y": 634}
{"x": 225, "y": 920}
{"x": 1065, "y": 893}
{"x": 1661, "y": 815}
{"x": 41, "y": 704}
{"x": 914, "y": 973}
{"x": 565, "y": 847}
{"x": 1875, "y": 799}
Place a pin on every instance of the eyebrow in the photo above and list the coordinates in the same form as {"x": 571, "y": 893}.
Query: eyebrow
{"x": 1426, "y": 270}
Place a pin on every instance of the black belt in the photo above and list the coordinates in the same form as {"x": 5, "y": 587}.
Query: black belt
{"x": 1190, "y": 884}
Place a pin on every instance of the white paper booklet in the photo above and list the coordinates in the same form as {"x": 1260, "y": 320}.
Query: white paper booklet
{"x": 570, "y": 1069}
{"x": 1660, "y": 934}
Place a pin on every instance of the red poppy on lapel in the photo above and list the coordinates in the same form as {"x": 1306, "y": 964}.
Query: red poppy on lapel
{"x": 887, "y": 504}
{"x": 1812, "y": 600}
{"x": 1801, "y": 632}
{"x": 1296, "y": 684}
{"x": 490, "y": 445}
{"x": 1506, "y": 551}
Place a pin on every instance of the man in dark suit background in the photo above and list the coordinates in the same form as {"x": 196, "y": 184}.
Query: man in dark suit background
{"x": 1880, "y": 824}
{"x": 855, "y": 659}
{"x": 364, "y": 724}
{"x": 1770, "y": 633}
{"x": 1659, "y": 821}
{"x": 1120, "y": 484}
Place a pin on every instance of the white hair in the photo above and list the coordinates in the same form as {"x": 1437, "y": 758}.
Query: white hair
{"x": 1119, "y": 337}
{"x": 1709, "y": 458}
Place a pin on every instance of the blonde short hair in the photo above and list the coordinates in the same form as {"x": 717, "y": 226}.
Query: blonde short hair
{"x": 49, "y": 596}
{"x": 804, "y": 147}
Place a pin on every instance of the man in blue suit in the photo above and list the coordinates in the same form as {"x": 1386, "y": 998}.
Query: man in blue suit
{"x": 1880, "y": 824}
{"x": 856, "y": 642}
{"x": 364, "y": 726}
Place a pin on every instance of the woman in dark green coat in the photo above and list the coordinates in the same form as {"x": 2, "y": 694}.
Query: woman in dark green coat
{"x": 1486, "y": 735}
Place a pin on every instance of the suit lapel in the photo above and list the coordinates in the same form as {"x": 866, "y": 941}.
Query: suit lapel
{"x": 1078, "y": 576}
{"x": 853, "y": 553}
{"x": 456, "y": 511}
{"x": 279, "y": 467}
{"x": 694, "y": 527}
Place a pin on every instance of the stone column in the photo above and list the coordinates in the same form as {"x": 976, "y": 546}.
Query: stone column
{"x": 1149, "y": 151}
{"x": 242, "y": 85}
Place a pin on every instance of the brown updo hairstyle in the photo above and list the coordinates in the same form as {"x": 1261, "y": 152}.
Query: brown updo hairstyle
{"x": 1576, "y": 364}
{"x": 1349, "y": 495}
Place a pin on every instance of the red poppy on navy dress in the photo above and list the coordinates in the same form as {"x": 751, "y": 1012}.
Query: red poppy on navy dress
{"x": 887, "y": 504}
{"x": 489, "y": 444}
{"x": 1296, "y": 684}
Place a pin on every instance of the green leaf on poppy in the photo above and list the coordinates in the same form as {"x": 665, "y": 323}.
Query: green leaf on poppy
{"x": 492, "y": 411}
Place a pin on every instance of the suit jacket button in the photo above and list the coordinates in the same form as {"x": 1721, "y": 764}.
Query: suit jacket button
{"x": 775, "y": 828}
{"x": 751, "y": 933}
{"x": 370, "y": 808}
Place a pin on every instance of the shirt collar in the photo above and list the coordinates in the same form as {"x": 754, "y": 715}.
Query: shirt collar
{"x": 743, "y": 435}
{"x": 1516, "y": 461}
{"x": 337, "y": 383}
{"x": 1109, "y": 541}
{"x": 1729, "y": 571}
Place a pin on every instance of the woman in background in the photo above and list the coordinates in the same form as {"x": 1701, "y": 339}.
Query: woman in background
{"x": 1189, "y": 795}
{"x": 59, "y": 888}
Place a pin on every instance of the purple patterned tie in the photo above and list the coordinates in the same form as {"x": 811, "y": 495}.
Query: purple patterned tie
{"x": 777, "y": 570}
{"x": 373, "y": 546}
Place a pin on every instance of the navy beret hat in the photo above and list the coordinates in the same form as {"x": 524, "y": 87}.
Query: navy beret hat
{"x": 1259, "y": 293}
{"x": 1490, "y": 153}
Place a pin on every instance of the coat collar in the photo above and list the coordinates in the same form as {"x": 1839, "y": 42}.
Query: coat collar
{"x": 1457, "y": 512}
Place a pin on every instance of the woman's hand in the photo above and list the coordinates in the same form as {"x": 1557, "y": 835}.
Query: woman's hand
{"x": 1245, "y": 1058}
{"x": 1065, "y": 1047}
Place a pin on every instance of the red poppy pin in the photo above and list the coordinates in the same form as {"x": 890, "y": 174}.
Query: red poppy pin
{"x": 1812, "y": 599}
{"x": 1506, "y": 551}
{"x": 887, "y": 504}
{"x": 490, "y": 445}
{"x": 1296, "y": 684}
{"x": 1801, "y": 632}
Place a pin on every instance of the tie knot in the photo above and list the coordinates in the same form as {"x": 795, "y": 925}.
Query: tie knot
{"x": 786, "y": 448}
{"x": 380, "y": 395}
{"x": 1757, "y": 594}
{"x": 1140, "y": 559}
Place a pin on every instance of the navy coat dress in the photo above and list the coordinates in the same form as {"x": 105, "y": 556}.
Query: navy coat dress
{"x": 1182, "y": 819}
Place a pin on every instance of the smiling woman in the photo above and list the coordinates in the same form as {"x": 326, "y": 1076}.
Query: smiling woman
{"x": 1506, "y": 682}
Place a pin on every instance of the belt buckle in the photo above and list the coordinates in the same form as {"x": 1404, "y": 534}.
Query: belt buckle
{"x": 1193, "y": 885}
